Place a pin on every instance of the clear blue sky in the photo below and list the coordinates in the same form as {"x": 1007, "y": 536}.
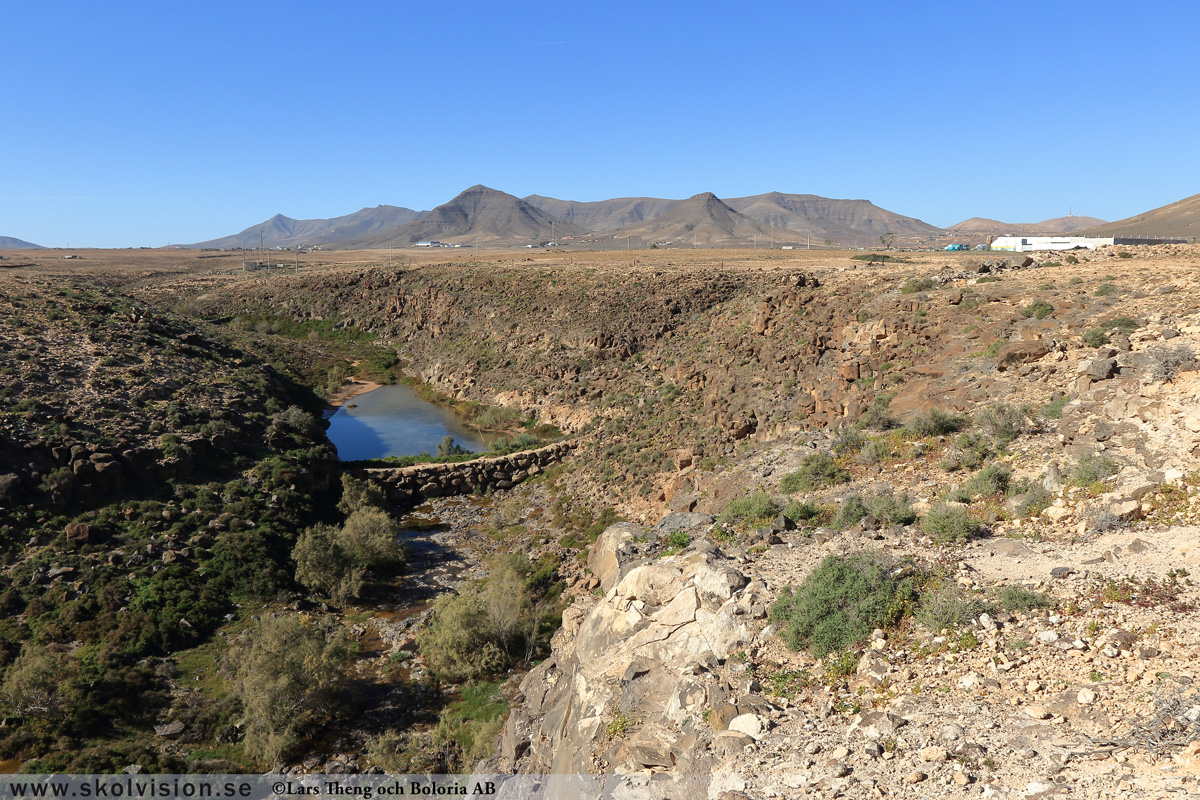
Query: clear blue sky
{"x": 139, "y": 123}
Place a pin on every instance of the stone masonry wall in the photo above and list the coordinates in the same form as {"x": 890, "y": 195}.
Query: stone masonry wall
{"x": 415, "y": 483}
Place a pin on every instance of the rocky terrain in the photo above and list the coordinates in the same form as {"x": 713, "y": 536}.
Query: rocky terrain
{"x": 1017, "y": 435}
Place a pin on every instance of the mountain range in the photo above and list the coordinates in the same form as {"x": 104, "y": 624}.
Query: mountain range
{"x": 1049, "y": 227}
{"x": 281, "y": 231}
{"x": 11, "y": 243}
{"x": 492, "y": 217}
{"x": 488, "y": 216}
{"x": 1179, "y": 219}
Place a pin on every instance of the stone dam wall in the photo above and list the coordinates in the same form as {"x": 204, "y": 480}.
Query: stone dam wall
{"x": 421, "y": 481}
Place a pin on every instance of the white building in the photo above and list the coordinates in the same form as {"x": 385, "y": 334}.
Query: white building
{"x": 1025, "y": 244}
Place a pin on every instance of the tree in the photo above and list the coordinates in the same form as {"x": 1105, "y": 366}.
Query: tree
{"x": 287, "y": 672}
{"x": 887, "y": 239}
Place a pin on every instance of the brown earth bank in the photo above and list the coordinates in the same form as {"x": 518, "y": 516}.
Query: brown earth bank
{"x": 703, "y": 384}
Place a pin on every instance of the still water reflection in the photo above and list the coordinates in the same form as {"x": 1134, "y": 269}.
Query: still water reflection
{"x": 395, "y": 421}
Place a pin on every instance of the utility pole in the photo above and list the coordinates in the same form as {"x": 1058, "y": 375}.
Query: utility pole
{"x": 626, "y": 241}
{"x": 756, "y": 241}
{"x": 260, "y": 245}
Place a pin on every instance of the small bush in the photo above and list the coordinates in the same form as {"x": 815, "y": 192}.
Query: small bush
{"x": 1091, "y": 469}
{"x": 1105, "y": 289}
{"x": 950, "y": 524}
{"x": 914, "y": 285}
{"x": 884, "y": 506}
{"x": 851, "y": 511}
{"x": 875, "y": 451}
{"x": 935, "y": 423}
{"x": 888, "y": 507}
{"x": 1003, "y": 422}
{"x": 841, "y": 602}
{"x": 1054, "y": 407}
{"x": 1096, "y": 337}
{"x": 676, "y": 541}
{"x": 991, "y": 480}
{"x": 1125, "y": 325}
{"x": 969, "y": 450}
{"x": 988, "y": 279}
{"x": 756, "y": 509}
{"x": 816, "y": 471}
{"x": 948, "y": 608}
{"x": 1165, "y": 362}
{"x": 798, "y": 511}
{"x": 877, "y": 417}
{"x": 1072, "y": 260}
{"x": 1016, "y": 600}
{"x": 1039, "y": 310}
{"x": 1035, "y": 501}
{"x": 1124, "y": 254}
{"x": 848, "y": 441}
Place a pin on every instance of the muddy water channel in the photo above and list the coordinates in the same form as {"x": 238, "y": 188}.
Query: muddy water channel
{"x": 395, "y": 421}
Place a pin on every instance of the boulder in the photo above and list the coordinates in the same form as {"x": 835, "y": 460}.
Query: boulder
{"x": 610, "y": 555}
{"x": 1017, "y": 353}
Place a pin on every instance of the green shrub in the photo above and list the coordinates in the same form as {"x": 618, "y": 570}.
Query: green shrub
{"x": 991, "y": 480}
{"x": 798, "y": 511}
{"x": 1072, "y": 259}
{"x": 988, "y": 279}
{"x": 883, "y": 506}
{"x": 1040, "y": 310}
{"x": 1124, "y": 254}
{"x": 1034, "y": 502}
{"x": 817, "y": 470}
{"x": 849, "y": 441}
{"x": 458, "y": 642}
{"x": 849, "y": 512}
{"x": 674, "y": 542}
{"x": 1096, "y": 337}
{"x": 756, "y": 509}
{"x": 914, "y": 285}
{"x": 841, "y": 602}
{"x": 1105, "y": 289}
{"x": 950, "y": 524}
{"x": 1125, "y": 325}
{"x": 1054, "y": 407}
{"x": 948, "y": 608}
{"x": 498, "y": 418}
{"x": 358, "y": 494}
{"x": 935, "y": 423}
{"x": 1091, "y": 469}
{"x": 1003, "y": 422}
{"x": 1018, "y": 600}
{"x": 970, "y": 449}
{"x": 875, "y": 451}
{"x": 877, "y": 417}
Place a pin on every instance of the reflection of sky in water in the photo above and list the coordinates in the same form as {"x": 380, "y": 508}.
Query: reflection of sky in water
{"x": 394, "y": 421}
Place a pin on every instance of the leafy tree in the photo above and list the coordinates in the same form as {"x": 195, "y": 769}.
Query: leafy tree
{"x": 287, "y": 672}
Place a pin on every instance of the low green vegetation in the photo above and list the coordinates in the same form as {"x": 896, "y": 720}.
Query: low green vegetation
{"x": 914, "y": 285}
{"x": 1090, "y": 470}
{"x": 494, "y": 624}
{"x": 934, "y": 422}
{"x": 949, "y": 524}
{"x": 755, "y": 509}
{"x": 1039, "y": 309}
{"x": 948, "y": 608}
{"x": 990, "y": 481}
{"x": 883, "y": 506}
{"x": 1053, "y": 409}
{"x": 841, "y": 602}
{"x": 817, "y": 471}
{"x": 1105, "y": 289}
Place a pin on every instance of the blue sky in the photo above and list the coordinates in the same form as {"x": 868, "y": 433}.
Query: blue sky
{"x": 138, "y": 123}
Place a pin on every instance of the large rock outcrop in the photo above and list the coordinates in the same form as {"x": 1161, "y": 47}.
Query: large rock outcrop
{"x": 633, "y": 675}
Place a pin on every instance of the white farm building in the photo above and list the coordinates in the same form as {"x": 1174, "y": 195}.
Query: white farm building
{"x": 1024, "y": 244}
